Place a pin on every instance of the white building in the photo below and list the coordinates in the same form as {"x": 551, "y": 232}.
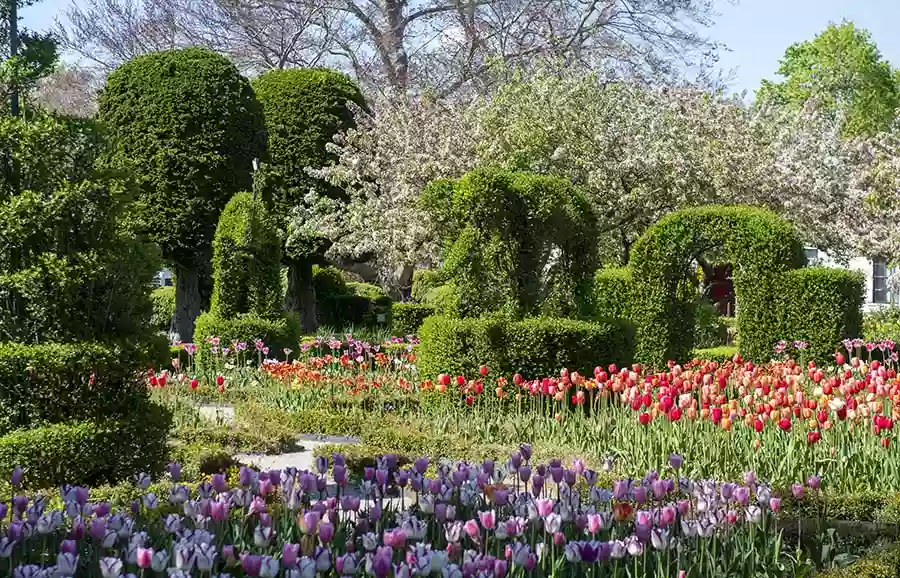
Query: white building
{"x": 164, "y": 278}
{"x": 878, "y": 293}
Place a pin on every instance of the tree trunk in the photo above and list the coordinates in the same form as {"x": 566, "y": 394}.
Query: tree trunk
{"x": 404, "y": 279}
{"x": 300, "y": 296}
{"x": 187, "y": 302}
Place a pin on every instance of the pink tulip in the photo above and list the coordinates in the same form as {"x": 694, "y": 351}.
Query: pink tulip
{"x": 488, "y": 519}
{"x": 144, "y": 557}
{"x": 472, "y": 529}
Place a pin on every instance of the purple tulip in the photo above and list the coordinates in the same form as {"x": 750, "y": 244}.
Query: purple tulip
{"x": 174, "y": 470}
{"x": 798, "y": 491}
{"x": 98, "y": 528}
{"x": 4, "y": 509}
{"x": 321, "y": 464}
{"x": 101, "y": 509}
{"x": 499, "y": 568}
{"x": 340, "y": 475}
{"x": 16, "y": 477}
{"x": 326, "y": 532}
{"x": 290, "y": 553}
{"x": 245, "y": 477}
{"x": 390, "y": 461}
{"x": 20, "y": 504}
{"x": 526, "y": 451}
{"x": 814, "y": 482}
{"x": 621, "y": 489}
{"x": 219, "y": 483}
{"x": 516, "y": 460}
{"x": 675, "y": 461}
{"x": 537, "y": 484}
{"x": 524, "y": 473}
{"x": 251, "y": 564}
{"x": 338, "y": 459}
{"x": 68, "y": 547}
{"x": 368, "y": 473}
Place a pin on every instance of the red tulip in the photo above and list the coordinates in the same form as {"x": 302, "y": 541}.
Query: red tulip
{"x": 785, "y": 424}
{"x": 460, "y": 380}
{"x": 518, "y": 379}
{"x": 644, "y": 418}
{"x": 153, "y": 381}
{"x": 813, "y": 436}
{"x": 716, "y": 414}
{"x": 758, "y": 425}
{"x": 483, "y": 370}
{"x": 194, "y": 383}
{"x": 839, "y": 359}
{"x": 220, "y": 380}
{"x": 885, "y": 442}
{"x": 470, "y": 400}
{"x": 444, "y": 379}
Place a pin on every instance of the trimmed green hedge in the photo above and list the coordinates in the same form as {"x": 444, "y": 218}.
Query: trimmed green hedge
{"x": 614, "y": 295}
{"x": 819, "y": 305}
{"x": 90, "y": 452}
{"x": 759, "y": 243}
{"x": 341, "y": 305}
{"x": 719, "y": 354}
{"x": 407, "y": 318}
{"x": 278, "y": 334}
{"x": 882, "y": 562}
{"x": 163, "y": 299}
{"x": 44, "y": 384}
{"x": 534, "y": 347}
{"x": 423, "y": 281}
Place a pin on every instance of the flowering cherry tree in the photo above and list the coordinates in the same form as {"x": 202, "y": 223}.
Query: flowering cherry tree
{"x": 638, "y": 153}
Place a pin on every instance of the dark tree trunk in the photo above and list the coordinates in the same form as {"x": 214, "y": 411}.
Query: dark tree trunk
{"x": 205, "y": 284}
{"x": 300, "y": 296}
{"x": 187, "y": 301}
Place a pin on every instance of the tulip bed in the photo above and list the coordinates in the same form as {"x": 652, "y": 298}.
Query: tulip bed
{"x": 490, "y": 519}
{"x": 782, "y": 419}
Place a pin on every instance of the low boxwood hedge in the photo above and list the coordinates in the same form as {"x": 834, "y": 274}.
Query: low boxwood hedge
{"x": 56, "y": 382}
{"x": 90, "y": 452}
{"x": 534, "y": 347}
{"x": 407, "y": 318}
{"x": 278, "y": 334}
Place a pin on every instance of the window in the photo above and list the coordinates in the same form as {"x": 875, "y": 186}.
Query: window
{"x": 812, "y": 256}
{"x": 880, "y": 292}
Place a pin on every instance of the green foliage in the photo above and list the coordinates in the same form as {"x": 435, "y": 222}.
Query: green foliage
{"x": 68, "y": 267}
{"x": 882, "y": 324}
{"x": 423, "y": 282}
{"x": 844, "y": 72}
{"x": 534, "y": 347}
{"x": 882, "y": 562}
{"x": 90, "y": 452}
{"x": 490, "y": 260}
{"x": 277, "y": 333}
{"x": 50, "y": 383}
{"x": 328, "y": 281}
{"x": 709, "y": 330}
{"x": 721, "y": 353}
{"x": 246, "y": 261}
{"x": 407, "y": 318}
{"x": 343, "y": 305}
{"x": 761, "y": 246}
{"x": 188, "y": 126}
{"x": 614, "y": 296}
{"x": 163, "y": 299}
{"x": 819, "y": 305}
{"x": 304, "y": 109}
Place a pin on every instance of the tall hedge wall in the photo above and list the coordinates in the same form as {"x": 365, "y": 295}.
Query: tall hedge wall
{"x": 534, "y": 347}
{"x": 821, "y": 306}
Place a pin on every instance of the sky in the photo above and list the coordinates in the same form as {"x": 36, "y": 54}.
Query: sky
{"x": 756, "y": 32}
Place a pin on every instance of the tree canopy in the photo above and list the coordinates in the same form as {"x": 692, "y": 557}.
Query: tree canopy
{"x": 844, "y": 72}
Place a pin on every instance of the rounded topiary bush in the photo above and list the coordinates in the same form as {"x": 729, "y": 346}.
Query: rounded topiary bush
{"x": 277, "y": 333}
{"x": 163, "y": 308}
{"x": 304, "y": 108}
{"x": 188, "y": 126}
{"x": 407, "y": 318}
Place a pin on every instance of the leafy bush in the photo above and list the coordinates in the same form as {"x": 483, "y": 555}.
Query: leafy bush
{"x": 69, "y": 268}
{"x": 90, "y": 452}
{"x": 761, "y": 246}
{"x": 613, "y": 293}
{"x": 246, "y": 261}
{"x": 407, "y": 318}
{"x": 709, "y": 330}
{"x": 278, "y": 333}
{"x": 720, "y": 354}
{"x": 329, "y": 281}
{"x": 495, "y": 266}
{"x": 882, "y": 324}
{"x": 820, "y": 305}
{"x": 534, "y": 347}
{"x": 163, "y": 299}
{"x": 423, "y": 281}
{"x": 42, "y": 384}
{"x": 882, "y": 562}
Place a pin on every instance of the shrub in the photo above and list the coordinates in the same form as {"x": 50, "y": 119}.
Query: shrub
{"x": 819, "y": 305}
{"x": 709, "y": 330}
{"x": 70, "y": 268}
{"x": 882, "y": 324}
{"x": 43, "y": 384}
{"x": 493, "y": 265}
{"x": 761, "y": 246}
{"x": 407, "y": 318}
{"x": 613, "y": 293}
{"x": 189, "y": 126}
{"x": 720, "y": 354}
{"x": 163, "y": 299}
{"x": 90, "y": 452}
{"x": 881, "y": 562}
{"x": 277, "y": 333}
{"x": 329, "y": 281}
{"x": 535, "y": 347}
{"x": 423, "y": 282}
{"x": 246, "y": 261}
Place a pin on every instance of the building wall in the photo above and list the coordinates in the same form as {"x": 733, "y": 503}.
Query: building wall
{"x": 866, "y": 266}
